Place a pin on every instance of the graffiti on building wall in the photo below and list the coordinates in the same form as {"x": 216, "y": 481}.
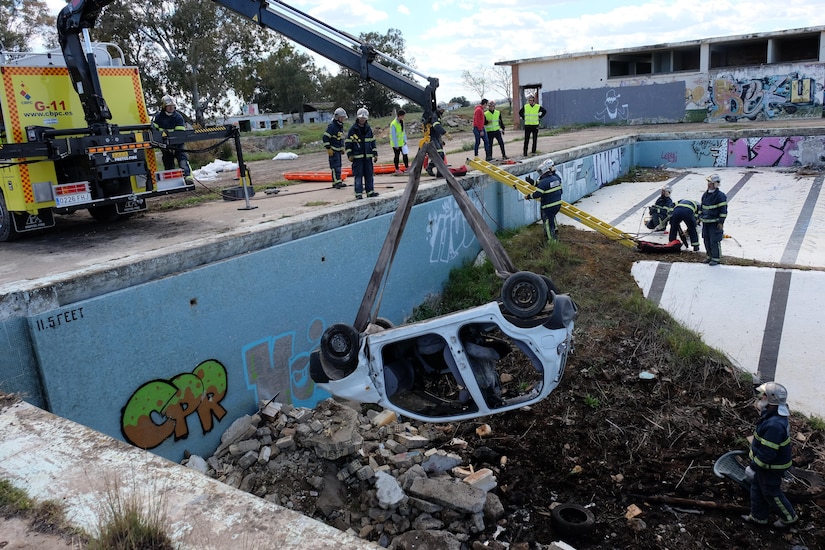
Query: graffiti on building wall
{"x": 159, "y": 409}
{"x": 769, "y": 96}
{"x": 448, "y": 232}
{"x": 614, "y": 110}
{"x": 278, "y": 366}
{"x": 717, "y": 149}
{"x": 776, "y": 151}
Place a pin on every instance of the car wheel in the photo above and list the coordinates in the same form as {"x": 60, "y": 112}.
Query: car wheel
{"x": 383, "y": 322}
{"x": 7, "y": 231}
{"x": 551, "y": 286}
{"x": 524, "y": 294}
{"x": 572, "y": 519}
{"x": 339, "y": 348}
{"x": 104, "y": 214}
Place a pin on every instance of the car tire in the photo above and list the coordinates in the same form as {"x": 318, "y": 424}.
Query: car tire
{"x": 551, "y": 286}
{"x": 7, "y": 230}
{"x": 104, "y": 214}
{"x": 339, "y": 349}
{"x": 383, "y": 322}
{"x": 572, "y": 519}
{"x": 524, "y": 294}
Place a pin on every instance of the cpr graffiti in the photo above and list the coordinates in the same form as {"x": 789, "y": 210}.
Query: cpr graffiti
{"x": 159, "y": 408}
{"x": 279, "y": 366}
{"x": 770, "y": 96}
{"x": 448, "y": 232}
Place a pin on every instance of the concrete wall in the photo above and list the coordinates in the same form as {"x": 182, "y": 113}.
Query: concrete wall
{"x": 166, "y": 354}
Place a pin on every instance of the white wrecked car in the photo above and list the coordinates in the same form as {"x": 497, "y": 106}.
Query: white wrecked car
{"x": 488, "y": 359}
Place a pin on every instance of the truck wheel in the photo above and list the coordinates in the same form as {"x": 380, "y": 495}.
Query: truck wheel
{"x": 339, "y": 349}
{"x": 572, "y": 519}
{"x": 7, "y": 230}
{"x": 104, "y": 214}
{"x": 524, "y": 294}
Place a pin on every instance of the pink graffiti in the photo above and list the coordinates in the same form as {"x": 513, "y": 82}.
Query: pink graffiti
{"x": 670, "y": 156}
{"x": 767, "y": 151}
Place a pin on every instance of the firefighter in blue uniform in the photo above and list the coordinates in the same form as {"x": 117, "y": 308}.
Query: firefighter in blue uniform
{"x": 660, "y": 211}
{"x": 168, "y": 119}
{"x": 685, "y": 211}
{"x": 333, "y": 140}
{"x": 713, "y": 214}
{"x": 549, "y": 191}
{"x": 362, "y": 153}
{"x": 770, "y": 457}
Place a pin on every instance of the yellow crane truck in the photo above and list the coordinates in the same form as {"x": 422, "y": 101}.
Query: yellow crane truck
{"x": 62, "y": 148}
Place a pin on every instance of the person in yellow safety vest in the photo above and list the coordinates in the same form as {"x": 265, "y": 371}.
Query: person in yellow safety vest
{"x": 398, "y": 141}
{"x": 494, "y": 126}
{"x": 770, "y": 457}
{"x": 549, "y": 191}
{"x": 531, "y": 115}
{"x": 168, "y": 119}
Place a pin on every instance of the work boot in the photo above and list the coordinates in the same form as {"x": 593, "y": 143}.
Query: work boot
{"x": 359, "y": 196}
{"x": 339, "y": 185}
{"x": 750, "y": 519}
{"x": 713, "y": 262}
{"x": 189, "y": 180}
{"x": 372, "y": 194}
{"x": 430, "y": 171}
{"x": 706, "y": 261}
{"x": 696, "y": 248}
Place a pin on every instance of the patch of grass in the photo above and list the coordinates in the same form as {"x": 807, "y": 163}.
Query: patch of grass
{"x": 132, "y": 522}
{"x": 816, "y": 423}
{"x": 44, "y": 517}
{"x": 592, "y": 402}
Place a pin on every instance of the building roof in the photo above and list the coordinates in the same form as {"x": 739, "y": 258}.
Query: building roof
{"x": 671, "y": 45}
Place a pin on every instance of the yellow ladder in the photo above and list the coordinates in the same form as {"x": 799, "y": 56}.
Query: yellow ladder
{"x": 567, "y": 209}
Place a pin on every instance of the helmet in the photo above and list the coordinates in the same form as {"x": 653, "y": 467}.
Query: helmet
{"x": 340, "y": 112}
{"x": 713, "y": 178}
{"x": 168, "y": 100}
{"x": 776, "y": 394}
{"x": 363, "y": 113}
{"x": 666, "y": 191}
{"x": 546, "y": 166}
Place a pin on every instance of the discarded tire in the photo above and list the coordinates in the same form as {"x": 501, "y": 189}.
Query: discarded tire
{"x": 572, "y": 519}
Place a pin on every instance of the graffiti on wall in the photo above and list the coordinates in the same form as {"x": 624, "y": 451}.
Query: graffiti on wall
{"x": 607, "y": 165}
{"x": 769, "y": 96}
{"x": 448, "y": 232}
{"x": 278, "y": 366}
{"x": 614, "y": 110}
{"x": 777, "y": 151}
{"x": 717, "y": 149}
{"x": 159, "y": 409}
{"x": 612, "y": 105}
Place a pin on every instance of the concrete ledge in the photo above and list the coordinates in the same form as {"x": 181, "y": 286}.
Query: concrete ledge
{"x": 55, "y": 459}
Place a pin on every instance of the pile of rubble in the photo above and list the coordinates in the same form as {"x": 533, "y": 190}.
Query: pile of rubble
{"x": 391, "y": 482}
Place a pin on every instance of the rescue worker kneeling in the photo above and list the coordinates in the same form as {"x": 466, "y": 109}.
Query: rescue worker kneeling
{"x": 660, "y": 211}
{"x": 685, "y": 211}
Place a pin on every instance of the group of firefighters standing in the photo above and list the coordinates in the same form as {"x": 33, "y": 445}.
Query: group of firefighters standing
{"x": 711, "y": 211}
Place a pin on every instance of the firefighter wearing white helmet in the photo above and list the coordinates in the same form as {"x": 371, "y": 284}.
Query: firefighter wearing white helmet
{"x": 333, "y": 139}
{"x": 362, "y": 153}
{"x": 660, "y": 211}
{"x": 168, "y": 119}
{"x": 714, "y": 211}
{"x": 770, "y": 457}
{"x": 549, "y": 191}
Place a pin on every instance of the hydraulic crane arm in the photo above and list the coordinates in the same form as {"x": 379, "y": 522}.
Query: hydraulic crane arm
{"x": 339, "y": 47}
{"x": 73, "y": 21}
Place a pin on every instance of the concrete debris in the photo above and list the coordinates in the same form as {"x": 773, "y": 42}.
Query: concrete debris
{"x": 396, "y": 483}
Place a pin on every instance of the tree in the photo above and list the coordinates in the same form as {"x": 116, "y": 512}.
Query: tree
{"x": 286, "y": 79}
{"x": 502, "y": 79}
{"x": 349, "y": 89}
{"x": 461, "y": 100}
{"x": 477, "y": 80}
{"x": 188, "y": 48}
{"x": 23, "y": 21}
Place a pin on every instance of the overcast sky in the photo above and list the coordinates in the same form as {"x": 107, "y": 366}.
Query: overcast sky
{"x": 446, "y": 37}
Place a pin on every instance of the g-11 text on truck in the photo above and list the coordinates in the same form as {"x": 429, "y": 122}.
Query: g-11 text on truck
{"x": 444, "y": 369}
